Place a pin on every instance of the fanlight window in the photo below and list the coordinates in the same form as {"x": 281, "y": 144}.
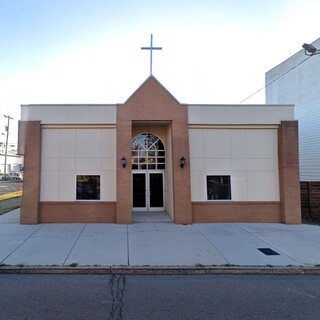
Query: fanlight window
{"x": 147, "y": 152}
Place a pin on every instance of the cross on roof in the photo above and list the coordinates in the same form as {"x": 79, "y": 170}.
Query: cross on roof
{"x": 151, "y": 48}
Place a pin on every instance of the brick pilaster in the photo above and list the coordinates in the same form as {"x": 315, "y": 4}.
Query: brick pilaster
{"x": 29, "y": 213}
{"x": 152, "y": 103}
{"x": 289, "y": 172}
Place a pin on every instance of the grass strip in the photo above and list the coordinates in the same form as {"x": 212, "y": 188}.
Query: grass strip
{"x": 8, "y": 209}
{"x": 10, "y": 201}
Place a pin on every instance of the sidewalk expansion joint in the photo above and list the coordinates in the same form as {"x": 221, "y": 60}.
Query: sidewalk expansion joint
{"x": 128, "y": 247}
{"x": 74, "y": 244}
{"x": 22, "y": 243}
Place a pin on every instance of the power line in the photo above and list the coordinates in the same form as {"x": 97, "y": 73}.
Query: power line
{"x": 268, "y": 84}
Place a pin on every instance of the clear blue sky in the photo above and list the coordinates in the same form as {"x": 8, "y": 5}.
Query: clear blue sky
{"x": 76, "y": 51}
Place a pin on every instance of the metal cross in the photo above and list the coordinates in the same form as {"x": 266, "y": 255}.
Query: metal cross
{"x": 151, "y": 48}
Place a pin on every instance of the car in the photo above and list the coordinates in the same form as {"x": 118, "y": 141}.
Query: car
{"x": 12, "y": 176}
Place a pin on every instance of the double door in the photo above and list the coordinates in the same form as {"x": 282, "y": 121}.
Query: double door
{"x": 147, "y": 191}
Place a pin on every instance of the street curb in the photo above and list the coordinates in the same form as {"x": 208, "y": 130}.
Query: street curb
{"x": 160, "y": 270}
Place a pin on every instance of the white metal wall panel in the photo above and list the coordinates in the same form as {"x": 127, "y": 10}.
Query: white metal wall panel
{"x": 297, "y": 81}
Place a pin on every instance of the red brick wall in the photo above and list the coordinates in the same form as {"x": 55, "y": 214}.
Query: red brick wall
{"x": 152, "y": 102}
{"x": 31, "y": 131}
{"x": 236, "y": 211}
{"x": 289, "y": 172}
{"x": 77, "y": 212}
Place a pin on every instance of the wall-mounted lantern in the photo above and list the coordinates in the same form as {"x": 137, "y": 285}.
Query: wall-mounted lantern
{"x": 182, "y": 161}
{"x": 123, "y": 162}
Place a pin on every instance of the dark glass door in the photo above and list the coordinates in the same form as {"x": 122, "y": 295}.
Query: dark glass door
{"x": 139, "y": 190}
{"x": 156, "y": 190}
{"x": 147, "y": 191}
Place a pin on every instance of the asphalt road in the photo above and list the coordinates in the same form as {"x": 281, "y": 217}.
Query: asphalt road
{"x": 159, "y": 297}
{"x": 8, "y": 186}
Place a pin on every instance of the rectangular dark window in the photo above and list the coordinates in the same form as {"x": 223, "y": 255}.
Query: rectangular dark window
{"x": 218, "y": 188}
{"x": 88, "y": 187}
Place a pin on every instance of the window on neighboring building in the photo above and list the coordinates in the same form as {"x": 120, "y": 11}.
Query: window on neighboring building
{"x": 218, "y": 188}
{"x": 88, "y": 187}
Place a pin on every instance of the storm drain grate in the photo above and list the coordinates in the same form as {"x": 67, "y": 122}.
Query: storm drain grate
{"x": 268, "y": 252}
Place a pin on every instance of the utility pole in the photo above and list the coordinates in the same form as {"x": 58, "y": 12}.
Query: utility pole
{"x": 6, "y": 149}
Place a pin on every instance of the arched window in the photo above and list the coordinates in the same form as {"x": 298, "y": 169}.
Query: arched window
{"x": 147, "y": 152}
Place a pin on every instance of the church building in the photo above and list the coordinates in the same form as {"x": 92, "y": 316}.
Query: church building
{"x": 100, "y": 163}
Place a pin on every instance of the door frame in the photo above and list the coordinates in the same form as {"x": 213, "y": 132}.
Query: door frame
{"x": 147, "y": 173}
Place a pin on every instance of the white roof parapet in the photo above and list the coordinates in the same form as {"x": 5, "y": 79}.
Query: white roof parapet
{"x": 240, "y": 114}
{"x": 69, "y": 113}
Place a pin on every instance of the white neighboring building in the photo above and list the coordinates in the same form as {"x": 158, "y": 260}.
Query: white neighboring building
{"x": 14, "y": 161}
{"x": 300, "y": 85}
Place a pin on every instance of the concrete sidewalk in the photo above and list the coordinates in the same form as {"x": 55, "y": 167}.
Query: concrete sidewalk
{"x": 157, "y": 244}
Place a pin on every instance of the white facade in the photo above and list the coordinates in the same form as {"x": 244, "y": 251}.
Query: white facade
{"x": 248, "y": 155}
{"x": 68, "y": 152}
{"x": 76, "y": 140}
{"x": 296, "y": 81}
{"x": 238, "y": 141}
